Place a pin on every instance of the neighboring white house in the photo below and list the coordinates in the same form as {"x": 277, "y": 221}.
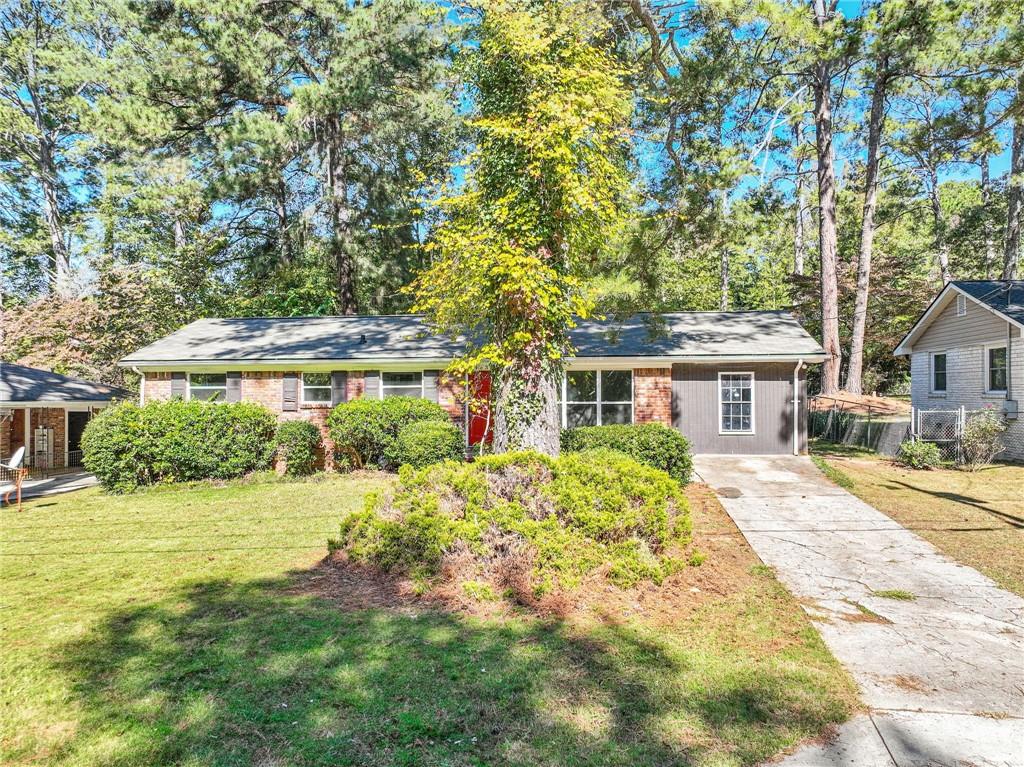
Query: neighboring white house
{"x": 967, "y": 351}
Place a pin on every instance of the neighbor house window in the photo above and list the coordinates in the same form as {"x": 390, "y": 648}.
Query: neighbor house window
{"x": 401, "y": 385}
{"x": 596, "y": 397}
{"x": 208, "y": 386}
{"x": 939, "y": 373}
{"x": 736, "y": 402}
{"x": 996, "y": 358}
{"x": 316, "y": 388}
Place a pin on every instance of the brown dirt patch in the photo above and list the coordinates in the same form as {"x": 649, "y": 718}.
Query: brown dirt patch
{"x": 726, "y": 570}
{"x": 861, "y": 404}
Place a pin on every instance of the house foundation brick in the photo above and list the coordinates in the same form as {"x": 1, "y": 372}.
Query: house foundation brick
{"x": 652, "y": 395}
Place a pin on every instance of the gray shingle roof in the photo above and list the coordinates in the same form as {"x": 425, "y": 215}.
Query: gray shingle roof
{"x": 19, "y": 383}
{"x": 1004, "y": 296}
{"x": 405, "y": 337}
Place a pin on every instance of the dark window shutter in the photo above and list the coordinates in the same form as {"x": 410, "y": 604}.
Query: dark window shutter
{"x": 430, "y": 384}
{"x": 179, "y": 383}
{"x": 339, "y": 382}
{"x": 234, "y": 392}
{"x": 290, "y": 392}
{"x": 372, "y": 381}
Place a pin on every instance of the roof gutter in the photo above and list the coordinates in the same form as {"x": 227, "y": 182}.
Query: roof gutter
{"x": 415, "y": 363}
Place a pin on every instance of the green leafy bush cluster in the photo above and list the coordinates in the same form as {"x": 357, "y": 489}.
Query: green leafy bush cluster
{"x": 982, "y": 438}
{"x": 422, "y": 443}
{"x": 525, "y": 522}
{"x": 299, "y": 444}
{"x": 919, "y": 455}
{"x": 651, "y": 443}
{"x": 127, "y": 446}
{"x": 367, "y": 429}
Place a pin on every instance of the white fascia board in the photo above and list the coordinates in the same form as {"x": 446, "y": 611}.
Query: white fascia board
{"x": 939, "y": 303}
{"x": 426, "y": 363}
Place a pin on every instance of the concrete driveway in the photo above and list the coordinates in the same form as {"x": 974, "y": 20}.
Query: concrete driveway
{"x": 942, "y": 673}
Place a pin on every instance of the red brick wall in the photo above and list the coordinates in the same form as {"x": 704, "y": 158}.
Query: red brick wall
{"x": 50, "y": 418}
{"x": 5, "y": 437}
{"x": 158, "y": 386}
{"x": 652, "y": 395}
{"x": 451, "y": 395}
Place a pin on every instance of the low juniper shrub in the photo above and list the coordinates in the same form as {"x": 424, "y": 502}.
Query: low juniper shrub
{"x": 366, "y": 430}
{"x": 128, "y": 446}
{"x": 919, "y": 455}
{"x": 653, "y": 444}
{"x": 422, "y": 443}
{"x": 525, "y": 522}
{"x": 299, "y": 445}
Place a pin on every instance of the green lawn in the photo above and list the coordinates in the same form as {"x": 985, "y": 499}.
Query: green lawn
{"x": 198, "y": 626}
{"x": 976, "y": 518}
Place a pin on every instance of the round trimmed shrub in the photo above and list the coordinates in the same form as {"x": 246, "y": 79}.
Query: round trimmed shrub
{"x": 653, "y": 444}
{"x": 369, "y": 427}
{"x": 299, "y": 444}
{"x": 526, "y": 523}
{"x": 919, "y": 455}
{"x": 127, "y": 446}
{"x": 422, "y": 443}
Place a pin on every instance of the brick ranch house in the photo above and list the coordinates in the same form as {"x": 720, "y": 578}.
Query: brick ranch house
{"x": 732, "y": 382}
{"x": 46, "y": 413}
{"x": 966, "y": 351}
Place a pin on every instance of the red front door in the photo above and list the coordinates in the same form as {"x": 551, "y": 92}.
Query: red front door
{"x": 481, "y": 427}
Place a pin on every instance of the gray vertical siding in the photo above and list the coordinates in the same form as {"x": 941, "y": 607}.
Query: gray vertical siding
{"x": 695, "y": 409}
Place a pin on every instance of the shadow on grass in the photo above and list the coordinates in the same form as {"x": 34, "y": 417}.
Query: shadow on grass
{"x": 265, "y": 673}
{"x": 1010, "y": 519}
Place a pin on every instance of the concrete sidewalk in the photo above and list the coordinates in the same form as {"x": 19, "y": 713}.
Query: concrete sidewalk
{"x": 942, "y": 673}
{"x": 60, "y": 483}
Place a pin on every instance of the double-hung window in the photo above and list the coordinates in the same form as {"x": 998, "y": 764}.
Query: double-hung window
{"x": 596, "y": 397}
{"x": 736, "y": 403}
{"x": 316, "y": 388}
{"x": 208, "y": 386}
{"x": 401, "y": 385}
{"x": 995, "y": 376}
{"x": 938, "y": 372}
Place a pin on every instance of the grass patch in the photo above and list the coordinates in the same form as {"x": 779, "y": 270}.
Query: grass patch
{"x": 976, "y": 518}
{"x": 202, "y": 626}
{"x": 834, "y": 474}
{"x": 897, "y": 594}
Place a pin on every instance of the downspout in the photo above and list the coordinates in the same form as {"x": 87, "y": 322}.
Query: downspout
{"x": 142, "y": 385}
{"x": 796, "y": 407}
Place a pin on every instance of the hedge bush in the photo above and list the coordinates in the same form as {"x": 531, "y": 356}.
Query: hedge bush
{"x": 525, "y": 523}
{"x": 919, "y": 455}
{"x": 298, "y": 444}
{"x": 370, "y": 427}
{"x": 982, "y": 438}
{"x": 650, "y": 443}
{"x": 127, "y": 446}
{"x": 422, "y": 443}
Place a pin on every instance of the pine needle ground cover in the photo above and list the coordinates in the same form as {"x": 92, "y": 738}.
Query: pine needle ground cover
{"x": 203, "y": 625}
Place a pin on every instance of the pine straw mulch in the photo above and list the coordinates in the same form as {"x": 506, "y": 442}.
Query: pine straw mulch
{"x": 727, "y": 569}
{"x": 862, "y": 404}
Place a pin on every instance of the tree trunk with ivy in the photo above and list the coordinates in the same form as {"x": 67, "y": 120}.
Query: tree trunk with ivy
{"x": 517, "y": 240}
{"x": 525, "y": 419}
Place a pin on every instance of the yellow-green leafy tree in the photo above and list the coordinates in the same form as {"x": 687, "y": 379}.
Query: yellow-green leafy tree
{"x": 542, "y": 191}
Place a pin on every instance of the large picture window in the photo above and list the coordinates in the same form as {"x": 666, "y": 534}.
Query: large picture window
{"x": 401, "y": 384}
{"x": 208, "y": 386}
{"x": 996, "y": 360}
{"x": 316, "y": 388}
{"x": 736, "y": 403}
{"x": 938, "y": 364}
{"x": 596, "y": 397}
